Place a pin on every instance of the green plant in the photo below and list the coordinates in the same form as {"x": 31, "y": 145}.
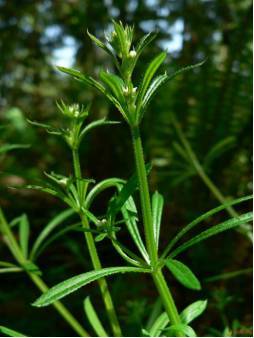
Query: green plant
{"x": 74, "y": 190}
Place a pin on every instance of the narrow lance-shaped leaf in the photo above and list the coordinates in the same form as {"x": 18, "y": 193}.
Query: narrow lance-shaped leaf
{"x": 94, "y": 319}
{"x": 115, "y": 83}
{"x": 72, "y": 284}
{"x": 129, "y": 211}
{"x": 157, "y": 208}
{"x": 216, "y": 229}
{"x": 145, "y": 41}
{"x": 151, "y": 70}
{"x": 159, "y": 325}
{"x": 151, "y": 91}
{"x": 55, "y": 222}
{"x": 82, "y": 77}
{"x": 10, "y": 333}
{"x": 127, "y": 190}
{"x": 201, "y": 218}
{"x": 218, "y": 149}
{"x": 8, "y": 147}
{"x": 183, "y": 328}
{"x": 183, "y": 274}
{"x": 185, "y": 69}
{"x": 193, "y": 311}
{"x": 95, "y": 124}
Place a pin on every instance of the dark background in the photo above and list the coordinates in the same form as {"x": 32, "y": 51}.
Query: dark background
{"x": 211, "y": 103}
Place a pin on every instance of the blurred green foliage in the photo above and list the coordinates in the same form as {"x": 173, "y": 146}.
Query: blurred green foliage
{"x": 211, "y": 104}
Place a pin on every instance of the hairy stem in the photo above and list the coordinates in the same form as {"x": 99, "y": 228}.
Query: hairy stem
{"x": 157, "y": 275}
{"x": 17, "y": 253}
{"x": 109, "y": 305}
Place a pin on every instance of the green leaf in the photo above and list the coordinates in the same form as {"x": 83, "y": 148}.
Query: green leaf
{"x": 56, "y": 221}
{"x": 159, "y": 325}
{"x": 88, "y": 80}
{"x": 129, "y": 212}
{"x": 93, "y": 318}
{"x": 151, "y": 70}
{"x": 72, "y": 284}
{"x": 115, "y": 83}
{"x": 10, "y": 270}
{"x": 24, "y": 228}
{"x": 157, "y": 208}
{"x": 31, "y": 267}
{"x": 144, "y": 42}
{"x": 48, "y": 127}
{"x": 216, "y": 229}
{"x": 218, "y": 149}
{"x": 151, "y": 91}
{"x": 185, "y": 329}
{"x": 98, "y": 123}
{"x": 183, "y": 274}
{"x": 8, "y": 147}
{"x": 193, "y": 311}
{"x": 127, "y": 190}
{"x": 201, "y": 218}
{"x": 10, "y": 333}
{"x": 185, "y": 69}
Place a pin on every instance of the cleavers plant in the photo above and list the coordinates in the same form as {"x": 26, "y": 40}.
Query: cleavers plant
{"x": 131, "y": 101}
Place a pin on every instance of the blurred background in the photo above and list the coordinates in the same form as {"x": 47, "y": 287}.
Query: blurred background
{"x": 213, "y": 110}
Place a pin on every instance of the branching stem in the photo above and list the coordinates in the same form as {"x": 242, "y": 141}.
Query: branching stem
{"x": 109, "y": 305}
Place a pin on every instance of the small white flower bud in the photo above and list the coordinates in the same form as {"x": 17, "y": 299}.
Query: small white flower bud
{"x": 132, "y": 54}
{"x": 125, "y": 91}
{"x": 134, "y": 90}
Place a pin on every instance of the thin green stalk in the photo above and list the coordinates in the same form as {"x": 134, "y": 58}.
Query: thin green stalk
{"x": 60, "y": 307}
{"x": 205, "y": 178}
{"x": 109, "y": 305}
{"x": 157, "y": 275}
{"x": 144, "y": 196}
{"x": 17, "y": 253}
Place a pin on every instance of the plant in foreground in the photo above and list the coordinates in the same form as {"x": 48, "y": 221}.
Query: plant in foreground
{"x": 75, "y": 191}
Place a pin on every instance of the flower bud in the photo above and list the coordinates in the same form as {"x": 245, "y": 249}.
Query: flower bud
{"x": 132, "y": 54}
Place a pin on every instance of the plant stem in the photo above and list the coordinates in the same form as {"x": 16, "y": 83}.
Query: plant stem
{"x": 144, "y": 196}
{"x": 17, "y": 253}
{"x": 103, "y": 285}
{"x": 206, "y": 179}
{"x": 60, "y": 307}
{"x": 157, "y": 275}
